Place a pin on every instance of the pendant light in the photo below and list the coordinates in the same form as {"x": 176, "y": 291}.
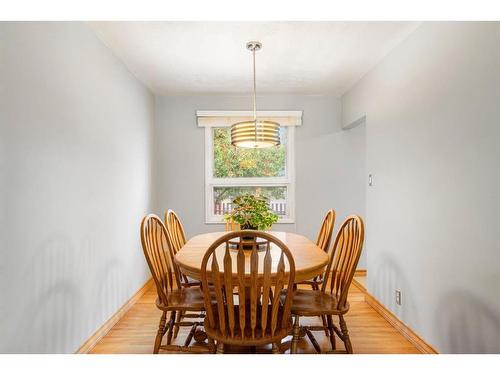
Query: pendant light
{"x": 255, "y": 133}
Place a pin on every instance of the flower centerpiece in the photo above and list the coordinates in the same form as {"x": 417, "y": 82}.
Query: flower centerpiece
{"x": 252, "y": 212}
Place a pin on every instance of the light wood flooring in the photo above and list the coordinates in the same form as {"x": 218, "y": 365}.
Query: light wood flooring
{"x": 370, "y": 333}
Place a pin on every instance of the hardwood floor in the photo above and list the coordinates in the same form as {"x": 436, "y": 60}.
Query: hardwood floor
{"x": 370, "y": 333}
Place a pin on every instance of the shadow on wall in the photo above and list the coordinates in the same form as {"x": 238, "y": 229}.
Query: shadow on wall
{"x": 465, "y": 324}
{"x": 109, "y": 283}
{"x": 384, "y": 281}
{"x": 49, "y": 322}
{"x": 112, "y": 287}
{"x": 57, "y": 317}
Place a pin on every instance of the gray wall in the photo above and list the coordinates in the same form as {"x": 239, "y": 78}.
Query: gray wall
{"x": 76, "y": 179}
{"x": 433, "y": 146}
{"x": 329, "y": 161}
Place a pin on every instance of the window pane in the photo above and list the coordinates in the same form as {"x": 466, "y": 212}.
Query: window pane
{"x": 223, "y": 197}
{"x": 230, "y": 161}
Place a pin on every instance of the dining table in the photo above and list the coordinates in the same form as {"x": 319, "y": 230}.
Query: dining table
{"x": 310, "y": 260}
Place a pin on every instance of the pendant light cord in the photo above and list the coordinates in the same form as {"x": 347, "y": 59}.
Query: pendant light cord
{"x": 254, "y": 95}
{"x": 254, "y": 88}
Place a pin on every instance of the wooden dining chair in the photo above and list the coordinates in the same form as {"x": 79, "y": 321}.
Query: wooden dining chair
{"x": 175, "y": 229}
{"x": 332, "y": 298}
{"x": 244, "y": 307}
{"x": 177, "y": 239}
{"x": 322, "y": 241}
{"x": 171, "y": 297}
{"x": 325, "y": 232}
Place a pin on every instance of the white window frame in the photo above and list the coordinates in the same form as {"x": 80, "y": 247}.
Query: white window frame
{"x": 211, "y": 182}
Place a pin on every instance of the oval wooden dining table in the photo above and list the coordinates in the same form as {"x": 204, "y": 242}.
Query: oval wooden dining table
{"x": 309, "y": 259}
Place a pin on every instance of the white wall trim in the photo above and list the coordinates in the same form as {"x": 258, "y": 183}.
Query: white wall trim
{"x": 227, "y": 118}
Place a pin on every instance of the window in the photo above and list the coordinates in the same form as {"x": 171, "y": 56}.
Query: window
{"x": 231, "y": 171}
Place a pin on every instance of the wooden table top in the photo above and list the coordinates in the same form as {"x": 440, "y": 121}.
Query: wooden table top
{"x": 310, "y": 260}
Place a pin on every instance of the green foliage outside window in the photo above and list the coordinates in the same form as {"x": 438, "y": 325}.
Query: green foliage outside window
{"x": 230, "y": 161}
{"x": 233, "y": 162}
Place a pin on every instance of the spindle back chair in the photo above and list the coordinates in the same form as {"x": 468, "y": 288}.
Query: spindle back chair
{"x": 177, "y": 239}
{"x": 344, "y": 259}
{"x": 175, "y": 230}
{"x": 244, "y": 306}
{"x": 155, "y": 247}
{"x": 332, "y": 298}
{"x": 325, "y": 232}
{"x": 171, "y": 297}
{"x": 323, "y": 241}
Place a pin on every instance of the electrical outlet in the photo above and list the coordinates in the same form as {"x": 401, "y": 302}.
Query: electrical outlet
{"x": 398, "y": 297}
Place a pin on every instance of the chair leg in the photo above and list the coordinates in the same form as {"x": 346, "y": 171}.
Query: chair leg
{"x": 276, "y": 348}
{"x": 190, "y": 334}
{"x": 211, "y": 345}
{"x": 171, "y": 328}
{"x": 313, "y": 340}
{"x": 180, "y": 315}
{"x": 345, "y": 334}
{"x": 220, "y": 347}
{"x": 332, "y": 333}
{"x": 160, "y": 333}
{"x": 325, "y": 325}
{"x": 296, "y": 335}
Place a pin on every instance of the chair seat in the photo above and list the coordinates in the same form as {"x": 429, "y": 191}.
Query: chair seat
{"x": 190, "y": 282}
{"x": 310, "y": 282}
{"x": 315, "y": 302}
{"x": 187, "y": 299}
{"x": 260, "y": 338}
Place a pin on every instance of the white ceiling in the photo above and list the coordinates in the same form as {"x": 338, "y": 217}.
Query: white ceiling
{"x": 211, "y": 58}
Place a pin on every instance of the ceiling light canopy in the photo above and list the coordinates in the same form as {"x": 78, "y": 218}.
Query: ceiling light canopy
{"x": 255, "y": 133}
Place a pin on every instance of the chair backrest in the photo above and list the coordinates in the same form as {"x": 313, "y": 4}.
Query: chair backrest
{"x": 155, "y": 246}
{"x": 175, "y": 230}
{"x": 344, "y": 258}
{"x": 255, "y": 277}
{"x": 325, "y": 232}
